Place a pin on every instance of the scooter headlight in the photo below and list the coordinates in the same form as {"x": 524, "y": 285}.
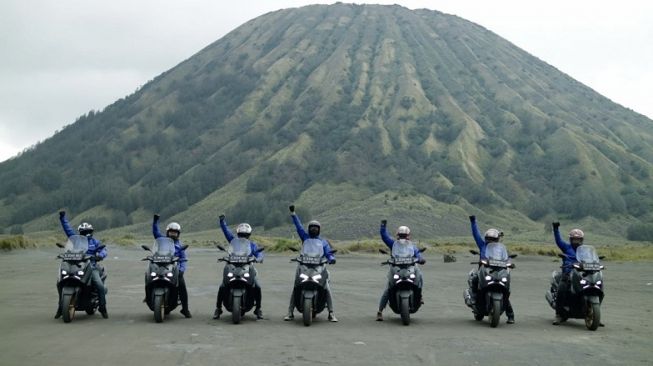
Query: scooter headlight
{"x": 504, "y": 279}
{"x": 169, "y": 274}
{"x": 246, "y": 275}
{"x": 80, "y": 273}
{"x": 412, "y": 276}
{"x": 230, "y": 274}
{"x": 317, "y": 277}
{"x": 583, "y": 282}
{"x": 396, "y": 276}
{"x": 303, "y": 276}
{"x": 599, "y": 283}
{"x": 153, "y": 274}
{"x": 488, "y": 278}
{"x": 64, "y": 272}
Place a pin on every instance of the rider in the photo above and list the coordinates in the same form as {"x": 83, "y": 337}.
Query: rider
{"x": 569, "y": 250}
{"x": 86, "y": 229}
{"x": 491, "y": 236}
{"x": 313, "y": 233}
{"x": 243, "y": 230}
{"x": 173, "y": 231}
{"x": 403, "y": 238}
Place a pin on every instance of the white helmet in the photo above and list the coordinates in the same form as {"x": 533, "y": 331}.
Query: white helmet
{"x": 493, "y": 234}
{"x": 244, "y": 228}
{"x": 174, "y": 227}
{"x": 576, "y": 234}
{"x": 85, "y": 228}
{"x": 403, "y": 230}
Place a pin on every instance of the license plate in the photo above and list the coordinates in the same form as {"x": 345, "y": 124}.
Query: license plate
{"x": 591, "y": 266}
{"x": 72, "y": 256}
{"x": 495, "y": 263}
{"x": 403, "y": 261}
{"x": 311, "y": 260}
{"x": 161, "y": 259}
{"x": 238, "y": 259}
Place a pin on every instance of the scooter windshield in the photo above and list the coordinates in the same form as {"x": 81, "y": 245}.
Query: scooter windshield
{"x": 587, "y": 254}
{"x": 77, "y": 244}
{"x": 164, "y": 246}
{"x": 240, "y": 247}
{"x": 403, "y": 249}
{"x": 496, "y": 252}
{"x": 312, "y": 248}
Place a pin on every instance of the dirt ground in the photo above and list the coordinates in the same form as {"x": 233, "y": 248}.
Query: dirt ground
{"x": 443, "y": 332}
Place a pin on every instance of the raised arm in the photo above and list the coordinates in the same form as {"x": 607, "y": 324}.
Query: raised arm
{"x": 225, "y": 229}
{"x": 155, "y": 227}
{"x": 387, "y": 239}
{"x": 65, "y": 225}
{"x": 298, "y": 225}
{"x": 563, "y": 245}
{"x": 478, "y": 238}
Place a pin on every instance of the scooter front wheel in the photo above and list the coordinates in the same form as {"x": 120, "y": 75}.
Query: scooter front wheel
{"x": 307, "y": 312}
{"x": 405, "y": 311}
{"x": 159, "y": 308}
{"x": 68, "y": 306}
{"x": 236, "y": 312}
{"x": 593, "y": 316}
{"x": 495, "y": 313}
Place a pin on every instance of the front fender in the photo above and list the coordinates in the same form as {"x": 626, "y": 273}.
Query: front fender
{"x": 592, "y": 299}
{"x": 405, "y": 294}
{"x": 309, "y": 294}
{"x": 237, "y": 292}
{"x": 69, "y": 290}
{"x": 160, "y": 290}
{"x": 496, "y": 295}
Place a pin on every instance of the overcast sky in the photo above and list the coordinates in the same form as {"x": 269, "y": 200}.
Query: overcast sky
{"x": 60, "y": 59}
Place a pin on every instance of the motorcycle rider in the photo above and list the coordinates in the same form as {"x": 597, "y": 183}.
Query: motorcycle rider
{"x": 86, "y": 229}
{"x": 576, "y": 237}
{"x": 243, "y": 230}
{"x": 173, "y": 231}
{"x": 313, "y": 233}
{"x": 490, "y": 236}
{"x": 403, "y": 238}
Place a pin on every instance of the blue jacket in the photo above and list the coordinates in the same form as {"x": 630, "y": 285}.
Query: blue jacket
{"x": 567, "y": 249}
{"x": 389, "y": 241}
{"x": 304, "y": 236}
{"x": 92, "y": 242}
{"x": 229, "y": 236}
{"x": 179, "y": 253}
{"x": 478, "y": 238}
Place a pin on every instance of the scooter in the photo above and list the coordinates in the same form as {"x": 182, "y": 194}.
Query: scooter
{"x": 310, "y": 281}
{"x": 586, "y": 288}
{"x": 161, "y": 278}
{"x": 75, "y": 272}
{"x": 238, "y": 278}
{"x": 489, "y": 287}
{"x": 404, "y": 281}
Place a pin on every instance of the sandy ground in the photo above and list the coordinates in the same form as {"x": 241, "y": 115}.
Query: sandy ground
{"x": 443, "y": 332}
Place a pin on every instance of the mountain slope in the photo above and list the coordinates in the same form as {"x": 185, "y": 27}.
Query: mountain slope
{"x": 376, "y": 99}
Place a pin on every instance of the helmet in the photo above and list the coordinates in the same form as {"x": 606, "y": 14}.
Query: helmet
{"x": 403, "y": 232}
{"x": 85, "y": 228}
{"x": 493, "y": 234}
{"x": 244, "y": 228}
{"x": 576, "y": 234}
{"x": 314, "y": 228}
{"x": 174, "y": 227}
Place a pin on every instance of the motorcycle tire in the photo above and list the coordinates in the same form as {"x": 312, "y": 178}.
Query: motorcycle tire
{"x": 405, "y": 311}
{"x": 593, "y": 316}
{"x": 90, "y": 311}
{"x": 68, "y": 306}
{"x": 307, "y": 312}
{"x": 236, "y": 311}
{"x": 159, "y": 308}
{"x": 495, "y": 313}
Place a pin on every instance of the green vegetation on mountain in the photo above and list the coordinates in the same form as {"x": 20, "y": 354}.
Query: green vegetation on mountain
{"x": 355, "y": 113}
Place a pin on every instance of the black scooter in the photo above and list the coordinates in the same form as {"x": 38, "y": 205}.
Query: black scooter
{"x": 75, "y": 272}
{"x": 161, "y": 278}
{"x": 311, "y": 279}
{"x": 487, "y": 293}
{"x": 238, "y": 278}
{"x": 404, "y": 282}
{"x": 586, "y": 288}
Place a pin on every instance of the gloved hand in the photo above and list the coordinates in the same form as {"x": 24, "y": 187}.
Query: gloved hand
{"x": 222, "y": 216}
{"x": 156, "y": 217}
{"x": 62, "y": 213}
{"x": 332, "y": 261}
{"x": 291, "y": 208}
{"x": 421, "y": 261}
{"x": 556, "y": 225}
{"x": 384, "y": 222}
{"x": 472, "y": 218}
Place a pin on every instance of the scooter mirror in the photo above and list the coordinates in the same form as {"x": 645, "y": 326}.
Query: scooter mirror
{"x": 184, "y": 247}
{"x": 100, "y": 247}
{"x": 382, "y": 251}
{"x": 220, "y": 247}
{"x": 473, "y": 252}
{"x": 562, "y": 255}
{"x": 513, "y": 256}
{"x": 422, "y": 250}
{"x": 60, "y": 245}
{"x": 145, "y": 247}
{"x": 601, "y": 257}
{"x": 293, "y": 249}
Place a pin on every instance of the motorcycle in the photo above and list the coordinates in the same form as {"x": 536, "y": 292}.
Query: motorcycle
{"x": 404, "y": 281}
{"x": 75, "y": 272}
{"x": 491, "y": 284}
{"x": 310, "y": 294}
{"x": 238, "y": 278}
{"x": 161, "y": 278}
{"x": 585, "y": 290}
